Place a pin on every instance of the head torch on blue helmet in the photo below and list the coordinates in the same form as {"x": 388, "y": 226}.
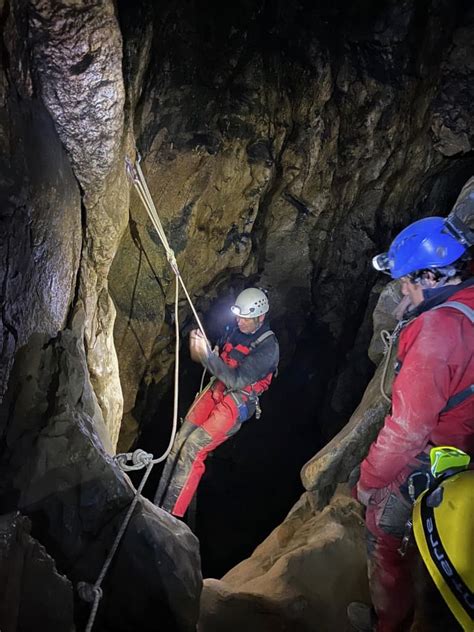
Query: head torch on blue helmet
{"x": 424, "y": 245}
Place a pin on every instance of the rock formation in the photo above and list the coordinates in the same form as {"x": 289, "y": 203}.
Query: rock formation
{"x": 284, "y": 144}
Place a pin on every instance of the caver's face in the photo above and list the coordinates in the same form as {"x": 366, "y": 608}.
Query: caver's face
{"x": 249, "y": 325}
{"x": 413, "y": 290}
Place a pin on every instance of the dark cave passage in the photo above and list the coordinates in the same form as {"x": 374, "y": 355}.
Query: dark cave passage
{"x": 253, "y": 479}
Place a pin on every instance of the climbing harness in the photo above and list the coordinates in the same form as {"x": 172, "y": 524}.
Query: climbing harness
{"x": 389, "y": 339}
{"x": 140, "y": 459}
{"x": 243, "y": 397}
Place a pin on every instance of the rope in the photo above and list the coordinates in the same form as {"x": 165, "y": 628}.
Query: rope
{"x": 140, "y": 458}
{"x": 138, "y": 179}
{"x": 388, "y": 340}
{"x": 84, "y": 589}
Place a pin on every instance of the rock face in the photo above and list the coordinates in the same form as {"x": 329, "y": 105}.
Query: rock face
{"x": 284, "y": 145}
{"x": 40, "y": 215}
{"x": 314, "y": 564}
{"x": 300, "y": 579}
{"x": 32, "y": 590}
{"x": 334, "y": 463}
{"x": 280, "y": 156}
{"x": 56, "y": 471}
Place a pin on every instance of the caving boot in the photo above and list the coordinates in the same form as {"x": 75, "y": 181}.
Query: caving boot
{"x": 361, "y": 617}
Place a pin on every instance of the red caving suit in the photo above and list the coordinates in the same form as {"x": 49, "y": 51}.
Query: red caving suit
{"x": 436, "y": 360}
{"x": 243, "y": 370}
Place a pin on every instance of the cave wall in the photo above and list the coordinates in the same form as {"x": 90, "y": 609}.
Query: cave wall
{"x": 285, "y": 145}
{"x": 40, "y": 209}
{"x": 63, "y": 124}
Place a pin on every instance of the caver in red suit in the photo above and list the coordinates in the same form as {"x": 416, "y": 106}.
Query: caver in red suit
{"x": 243, "y": 370}
{"x": 436, "y": 352}
{"x": 432, "y": 404}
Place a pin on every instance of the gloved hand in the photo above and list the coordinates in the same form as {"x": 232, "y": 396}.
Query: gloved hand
{"x": 197, "y": 345}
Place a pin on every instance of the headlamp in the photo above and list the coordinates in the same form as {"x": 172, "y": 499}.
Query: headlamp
{"x": 381, "y": 263}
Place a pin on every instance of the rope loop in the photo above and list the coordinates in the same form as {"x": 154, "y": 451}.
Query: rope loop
{"x": 139, "y": 459}
{"x": 122, "y": 459}
{"x": 89, "y": 592}
{"x": 386, "y": 337}
{"x": 172, "y": 261}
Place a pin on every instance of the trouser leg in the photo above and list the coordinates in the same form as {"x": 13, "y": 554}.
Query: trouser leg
{"x": 197, "y": 414}
{"x": 186, "y": 429}
{"x": 218, "y": 427}
{"x": 390, "y": 574}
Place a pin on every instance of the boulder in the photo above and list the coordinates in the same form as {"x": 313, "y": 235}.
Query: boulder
{"x": 32, "y": 591}
{"x": 56, "y": 471}
{"x": 300, "y": 579}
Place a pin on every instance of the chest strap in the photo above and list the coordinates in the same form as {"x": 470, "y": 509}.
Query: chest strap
{"x": 458, "y": 398}
{"x": 469, "y": 391}
{"x": 460, "y": 307}
{"x": 261, "y": 338}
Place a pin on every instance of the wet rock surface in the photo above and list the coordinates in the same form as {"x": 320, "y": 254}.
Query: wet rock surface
{"x": 31, "y": 588}
{"x": 55, "y": 469}
{"x": 284, "y": 144}
{"x": 77, "y": 52}
{"x": 40, "y": 220}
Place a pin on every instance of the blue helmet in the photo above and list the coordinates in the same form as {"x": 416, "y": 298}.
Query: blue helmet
{"x": 424, "y": 245}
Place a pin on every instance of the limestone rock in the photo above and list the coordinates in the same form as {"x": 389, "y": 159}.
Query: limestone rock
{"x": 347, "y": 448}
{"x": 454, "y": 111}
{"x": 464, "y": 206}
{"x": 384, "y": 318}
{"x": 42, "y": 216}
{"x": 77, "y": 52}
{"x": 56, "y": 470}
{"x": 77, "y": 55}
{"x": 337, "y": 459}
{"x": 300, "y": 579}
{"x": 33, "y": 594}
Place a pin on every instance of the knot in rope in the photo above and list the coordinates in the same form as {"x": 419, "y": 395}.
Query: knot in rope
{"x": 142, "y": 458}
{"x": 89, "y": 592}
{"x": 139, "y": 459}
{"x": 172, "y": 261}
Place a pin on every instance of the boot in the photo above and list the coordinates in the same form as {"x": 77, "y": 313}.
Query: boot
{"x": 361, "y": 617}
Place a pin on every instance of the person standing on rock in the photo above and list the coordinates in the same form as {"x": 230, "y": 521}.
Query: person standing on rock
{"x": 241, "y": 372}
{"x": 432, "y": 405}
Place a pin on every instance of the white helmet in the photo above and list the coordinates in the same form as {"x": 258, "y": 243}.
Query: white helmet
{"x": 251, "y": 303}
